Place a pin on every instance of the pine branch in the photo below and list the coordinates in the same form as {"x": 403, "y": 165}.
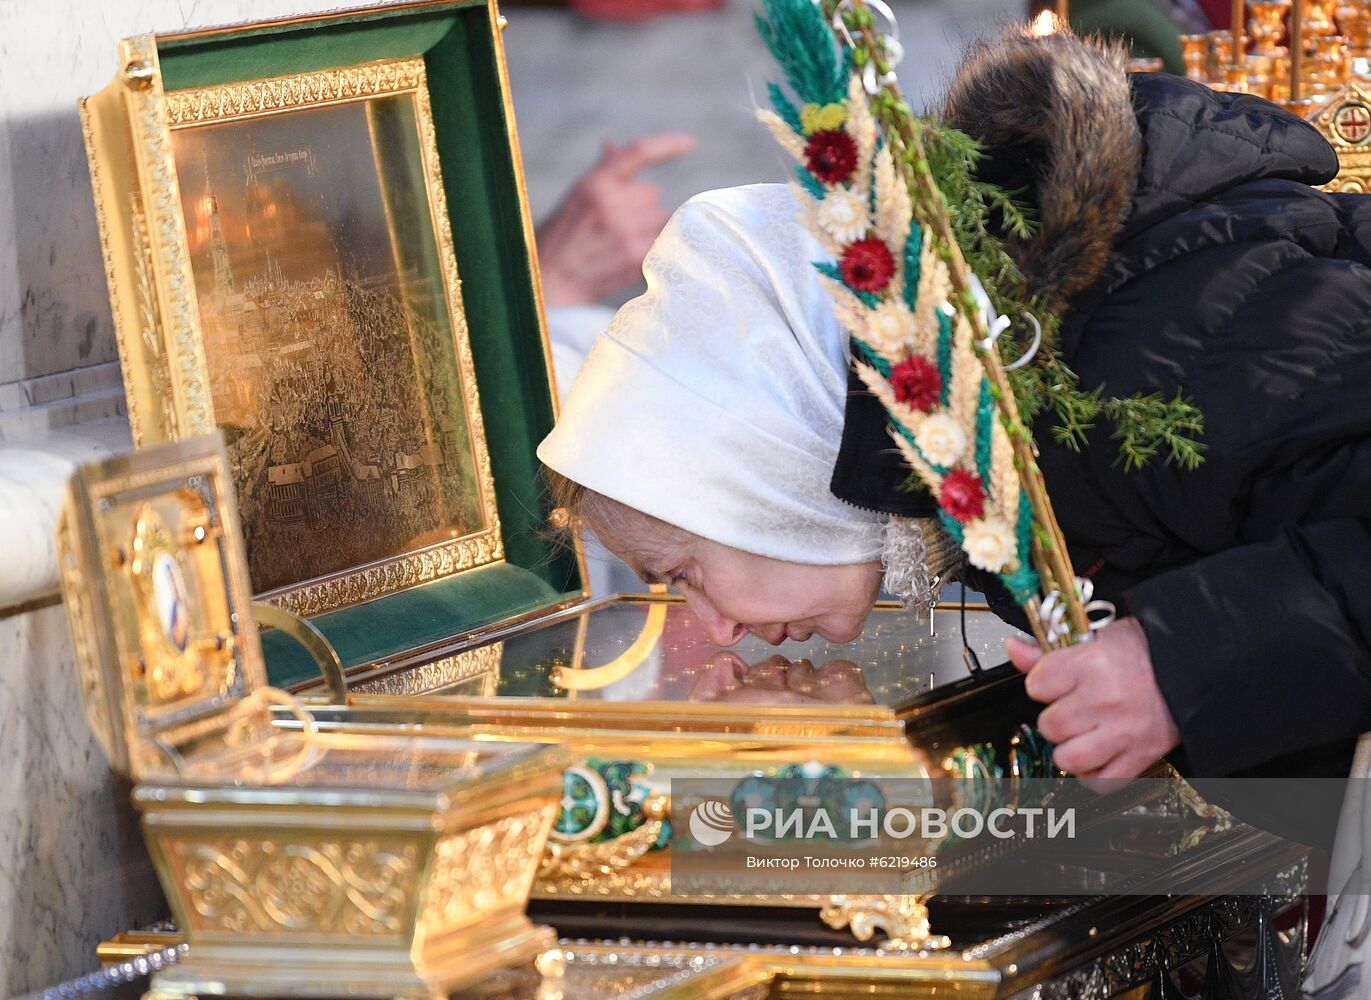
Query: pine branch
{"x": 983, "y": 216}
{"x": 1148, "y": 425}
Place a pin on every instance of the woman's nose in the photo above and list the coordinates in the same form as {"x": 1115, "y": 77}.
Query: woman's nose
{"x": 722, "y": 630}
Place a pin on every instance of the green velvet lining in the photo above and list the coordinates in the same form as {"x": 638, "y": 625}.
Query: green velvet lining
{"x": 481, "y": 185}
{"x": 382, "y": 628}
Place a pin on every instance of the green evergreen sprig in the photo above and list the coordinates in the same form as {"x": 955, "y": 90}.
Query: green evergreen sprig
{"x": 983, "y": 216}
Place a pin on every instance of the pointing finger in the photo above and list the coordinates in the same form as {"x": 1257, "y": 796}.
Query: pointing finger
{"x": 649, "y": 150}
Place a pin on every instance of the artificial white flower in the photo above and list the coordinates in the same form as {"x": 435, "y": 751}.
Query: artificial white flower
{"x": 989, "y": 543}
{"x": 890, "y": 328}
{"x": 940, "y": 439}
{"x": 843, "y": 214}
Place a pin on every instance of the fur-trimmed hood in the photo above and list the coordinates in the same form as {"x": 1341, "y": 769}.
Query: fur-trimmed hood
{"x": 1056, "y": 116}
{"x": 1103, "y": 156}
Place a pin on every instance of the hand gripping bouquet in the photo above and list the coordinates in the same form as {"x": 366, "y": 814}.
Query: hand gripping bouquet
{"x": 916, "y": 279}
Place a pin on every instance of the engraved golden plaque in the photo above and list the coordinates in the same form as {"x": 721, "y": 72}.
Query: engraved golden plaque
{"x": 285, "y": 271}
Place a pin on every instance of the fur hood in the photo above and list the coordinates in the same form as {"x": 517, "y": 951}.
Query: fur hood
{"x": 1056, "y": 116}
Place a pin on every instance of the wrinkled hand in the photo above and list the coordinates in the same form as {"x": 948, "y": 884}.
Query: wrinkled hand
{"x": 595, "y": 242}
{"x": 1104, "y": 709}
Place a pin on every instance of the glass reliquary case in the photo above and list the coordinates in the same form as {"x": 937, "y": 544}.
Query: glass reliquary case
{"x": 318, "y": 248}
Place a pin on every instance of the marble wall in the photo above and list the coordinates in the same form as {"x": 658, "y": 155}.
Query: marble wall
{"x": 72, "y": 868}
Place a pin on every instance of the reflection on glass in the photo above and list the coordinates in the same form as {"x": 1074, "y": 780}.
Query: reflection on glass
{"x": 894, "y": 660}
{"x": 727, "y": 677}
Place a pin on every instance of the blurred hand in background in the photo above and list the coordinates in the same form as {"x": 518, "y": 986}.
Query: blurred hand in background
{"x": 594, "y": 243}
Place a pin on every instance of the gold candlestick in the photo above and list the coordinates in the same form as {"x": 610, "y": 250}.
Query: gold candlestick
{"x": 1239, "y": 15}
{"x": 1267, "y": 64}
{"x": 1218, "y": 57}
{"x": 1318, "y": 21}
{"x": 1327, "y": 63}
{"x": 1354, "y": 21}
{"x": 1316, "y": 25}
{"x": 1296, "y": 51}
{"x": 1195, "y": 52}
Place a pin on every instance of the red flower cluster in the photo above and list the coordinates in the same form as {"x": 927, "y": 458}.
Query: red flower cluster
{"x": 962, "y": 495}
{"x": 917, "y": 383}
{"x": 867, "y": 265}
{"x": 831, "y": 156}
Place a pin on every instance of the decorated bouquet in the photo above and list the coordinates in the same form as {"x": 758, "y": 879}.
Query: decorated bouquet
{"x": 919, "y": 280}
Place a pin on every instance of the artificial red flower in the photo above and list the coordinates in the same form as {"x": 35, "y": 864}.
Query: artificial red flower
{"x": 962, "y": 495}
{"x": 831, "y": 155}
{"x": 917, "y": 383}
{"x": 867, "y": 265}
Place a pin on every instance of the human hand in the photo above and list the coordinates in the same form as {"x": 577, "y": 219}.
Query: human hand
{"x": 1104, "y": 711}
{"x": 595, "y": 242}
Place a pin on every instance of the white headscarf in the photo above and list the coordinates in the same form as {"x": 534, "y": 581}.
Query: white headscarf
{"x": 715, "y": 400}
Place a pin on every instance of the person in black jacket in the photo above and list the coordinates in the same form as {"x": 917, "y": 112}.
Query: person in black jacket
{"x": 1186, "y": 250}
{"x": 1228, "y": 278}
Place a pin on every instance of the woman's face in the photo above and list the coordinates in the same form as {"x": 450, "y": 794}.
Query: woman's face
{"x": 734, "y": 592}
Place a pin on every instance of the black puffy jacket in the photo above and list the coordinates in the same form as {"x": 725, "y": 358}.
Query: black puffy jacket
{"x": 1191, "y": 254}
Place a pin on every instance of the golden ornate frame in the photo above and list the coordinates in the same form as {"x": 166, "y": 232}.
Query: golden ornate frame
{"x": 103, "y": 524}
{"x": 152, "y": 289}
{"x": 1353, "y": 146}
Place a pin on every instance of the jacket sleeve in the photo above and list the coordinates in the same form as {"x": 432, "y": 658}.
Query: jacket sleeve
{"x": 1264, "y": 649}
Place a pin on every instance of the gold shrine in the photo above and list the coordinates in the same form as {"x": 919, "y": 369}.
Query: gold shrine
{"x": 1312, "y": 57}
{"x": 441, "y": 719}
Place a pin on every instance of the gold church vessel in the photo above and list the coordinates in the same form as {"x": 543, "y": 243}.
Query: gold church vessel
{"x": 296, "y": 862}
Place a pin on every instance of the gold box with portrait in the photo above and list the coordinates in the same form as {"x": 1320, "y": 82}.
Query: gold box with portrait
{"x": 296, "y": 863}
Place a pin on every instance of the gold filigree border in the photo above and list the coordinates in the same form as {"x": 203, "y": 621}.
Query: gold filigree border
{"x": 236, "y": 101}
{"x": 168, "y": 244}
{"x": 102, "y": 226}
{"x": 482, "y": 662}
{"x": 286, "y": 93}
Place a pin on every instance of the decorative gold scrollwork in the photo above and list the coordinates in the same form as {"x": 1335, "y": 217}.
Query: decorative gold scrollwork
{"x": 484, "y": 870}
{"x": 331, "y": 887}
{"x": 581, "y": 861}
{"x": 903, "y": 918}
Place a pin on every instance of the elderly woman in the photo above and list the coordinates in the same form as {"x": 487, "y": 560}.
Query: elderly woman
{"x": 716, "y": 440}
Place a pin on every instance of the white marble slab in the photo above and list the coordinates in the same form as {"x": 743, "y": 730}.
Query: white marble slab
{"x": 33, "y": 476}
{"x": 73, "y": 870}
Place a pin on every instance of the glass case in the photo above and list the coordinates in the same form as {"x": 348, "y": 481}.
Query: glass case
{"x": 645, "y": 650}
